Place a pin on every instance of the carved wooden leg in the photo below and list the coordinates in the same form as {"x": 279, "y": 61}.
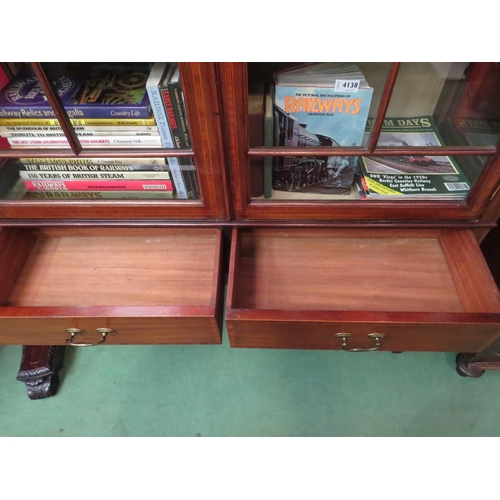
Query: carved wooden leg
{"x": 39, "y": 367}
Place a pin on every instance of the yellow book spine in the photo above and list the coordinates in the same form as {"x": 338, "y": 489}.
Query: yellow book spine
{"x": 7, "y": 122}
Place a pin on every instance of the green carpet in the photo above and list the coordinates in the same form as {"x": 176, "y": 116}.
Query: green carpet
{"x": 219, "y": 391}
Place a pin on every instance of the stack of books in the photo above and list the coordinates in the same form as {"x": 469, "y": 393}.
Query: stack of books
{"x": 108, "y": 107}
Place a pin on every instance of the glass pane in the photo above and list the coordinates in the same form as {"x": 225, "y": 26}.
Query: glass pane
{"x": 110, "y": 106}
{"x": 460, "y": 100}
{"x": 312, "y": 112}
{"x": 97, "y": 179}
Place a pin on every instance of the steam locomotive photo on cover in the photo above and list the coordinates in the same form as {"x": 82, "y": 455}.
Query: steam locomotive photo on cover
{"x": 313, "y": 117}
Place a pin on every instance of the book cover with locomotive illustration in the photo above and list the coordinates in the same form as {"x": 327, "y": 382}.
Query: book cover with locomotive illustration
{"x": 411, "y": 176}
{"x": 112, "y": 90}
{"x": 323, "y": 104}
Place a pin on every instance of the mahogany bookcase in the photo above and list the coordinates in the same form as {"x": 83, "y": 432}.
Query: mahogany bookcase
{"x": 336, "y": 274}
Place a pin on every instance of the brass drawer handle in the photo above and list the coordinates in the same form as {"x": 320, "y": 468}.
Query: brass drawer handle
{"x": 377, "y": 336}
{"x": 78, "y": 331}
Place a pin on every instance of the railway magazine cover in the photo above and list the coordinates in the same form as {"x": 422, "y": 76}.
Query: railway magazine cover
{"x": 323, "y": 104}
{"x": 416, "y": 176}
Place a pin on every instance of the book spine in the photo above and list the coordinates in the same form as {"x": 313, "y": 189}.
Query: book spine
{"x": 180, "y": 112}
{"x": 29, "y": 135}
{"x": 191, "y": 187}
{"x": 101, "y": 185}
{"x": 156, "y": 163}
{"x": 43, "y": 175}
{"x": 170, "y": 115}
{"x": 175, "y": 171}
{"x": 49, "y": 122}
{"x": 107, "y": 111}
{"x": 117, "y": 129}
{"x": 159, "y": 113}
{"x": 103, "y": 141}
{"x": 98, "y": 195}
{"x": 102, "y": 167}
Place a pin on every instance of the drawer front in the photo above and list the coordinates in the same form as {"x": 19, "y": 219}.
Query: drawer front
{"x": 398, "y": 337}
{"x": 140, "y": 330}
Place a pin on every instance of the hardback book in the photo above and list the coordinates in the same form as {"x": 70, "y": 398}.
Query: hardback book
{"x": 93, "y": 163}
{"x": 112, "y": 90}
{"x": 90, "y": 168}
{"x": 136, "y": 175}
{"x": 154, "y": 86}
{"x": 153, "y": 90}
{"x": 323, "y": 104}
{"x": 97, "y": 185}
{"x": 171, "y": 92}
{"x": 98, "y": 195}
{"x": 101, "y": 141}
{"x": 93, "y": 122}
{"x": 23, "y": 97}
{"x": 256, "y": 102}
{"x": 411, "y": 176}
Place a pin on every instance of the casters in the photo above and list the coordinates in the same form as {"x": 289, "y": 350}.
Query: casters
{"x": 39, "y": 367}
{"x": 463, "y": 369}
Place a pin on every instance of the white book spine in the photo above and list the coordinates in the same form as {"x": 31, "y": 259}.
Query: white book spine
{"x": 165, "y": 135}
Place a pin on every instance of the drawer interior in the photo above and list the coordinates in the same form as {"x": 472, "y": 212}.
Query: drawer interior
{"x": 108, "y": 266}
{"x": 361, "y": 270}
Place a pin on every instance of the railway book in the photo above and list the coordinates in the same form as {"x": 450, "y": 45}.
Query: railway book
{"x": 138, "y": 175}
{"x": 411, "y": 176}
{"x": 159, "y": 72}
{"x": 171, "y": 92}
{"x": 96, "y": 142}
{"x": 112, "y": 90}
{"x": 24, "y": 99}
{"x": 97, "y": 185}
{"x": 94, "y": 163}
{"x": 324, "y": 104}
{"x": 98, "y": 195}
{"x": 92, "y": 122}
{"x": 153, "y": 90}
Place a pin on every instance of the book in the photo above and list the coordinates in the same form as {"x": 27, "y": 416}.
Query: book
{"x": 75, "y": 175}
{"x": 111, "y": 129}
{"x": 98, "y": 195}
{"x": 112, "y": 90}
{"x": 79, "y": 167}
{"x": 324, "y": 104}
{"x": 4, "y": 79}
{"x": 171, "y": 93}
{"x": 79, "y": 133}
{"x": 129, "y": 163}
{"x": 93, "y": 122}
{"x": 97, "y": 185}
{"x": 96, "y": 142}
{"x": 24, "y": 98}
{"x": 155, "y": 98}
{"x": 411, "y": 176}
{"x": 268, "y": 142}
{"x": 256, "y": 103}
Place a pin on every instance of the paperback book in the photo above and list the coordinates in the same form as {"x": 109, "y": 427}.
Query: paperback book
{"x": 325, "y": 104}
{"x": 411, "y": 176}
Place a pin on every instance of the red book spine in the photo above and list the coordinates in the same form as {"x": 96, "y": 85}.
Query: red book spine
{"x": 97, "y": 185}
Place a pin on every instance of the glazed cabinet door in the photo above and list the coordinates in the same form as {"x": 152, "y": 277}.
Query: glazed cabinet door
{"x": 326, "y": 142}
{"x": 114, "y": 141}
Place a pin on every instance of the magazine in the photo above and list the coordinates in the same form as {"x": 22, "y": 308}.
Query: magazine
{"x": 411, "y": 176}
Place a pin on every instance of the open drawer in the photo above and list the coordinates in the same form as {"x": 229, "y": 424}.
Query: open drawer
{"x": 359, "y": 290}
{"x": 118, "y": 285}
